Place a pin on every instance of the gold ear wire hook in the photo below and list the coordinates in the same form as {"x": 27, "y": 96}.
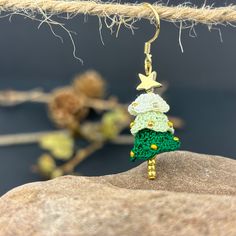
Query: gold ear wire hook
{"x": 147, "y": 46}
{"x": 157, "y": 22}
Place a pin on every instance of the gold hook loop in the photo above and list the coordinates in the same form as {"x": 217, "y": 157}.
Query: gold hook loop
{"x": 157, "y": 23}
{"x": 147, "y": 46}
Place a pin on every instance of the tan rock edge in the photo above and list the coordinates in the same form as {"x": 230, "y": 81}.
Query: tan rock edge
{"x": 194, "y": 194}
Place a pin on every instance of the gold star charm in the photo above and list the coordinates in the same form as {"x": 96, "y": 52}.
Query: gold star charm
{"x": 148, "y": 82}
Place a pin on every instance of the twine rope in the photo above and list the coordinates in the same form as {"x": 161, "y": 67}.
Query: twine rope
{"x": 205, "y": 14}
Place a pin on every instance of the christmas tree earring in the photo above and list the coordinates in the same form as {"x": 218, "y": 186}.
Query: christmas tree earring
{"x": 152, "y": 130}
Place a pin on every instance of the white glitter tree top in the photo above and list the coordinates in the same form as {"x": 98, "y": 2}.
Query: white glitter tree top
{"x": 148, "y": 102}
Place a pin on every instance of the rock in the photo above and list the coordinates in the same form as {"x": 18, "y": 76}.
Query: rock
{"x": 193, "y": 195}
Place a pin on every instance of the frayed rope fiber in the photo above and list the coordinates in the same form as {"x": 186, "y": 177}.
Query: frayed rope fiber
{"x": 205, "y": 14}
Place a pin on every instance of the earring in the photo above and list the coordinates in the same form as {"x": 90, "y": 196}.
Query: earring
{"x": 152, "y": 130}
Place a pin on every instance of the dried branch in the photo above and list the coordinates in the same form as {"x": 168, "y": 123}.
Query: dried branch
{"x": 81, "y": 155}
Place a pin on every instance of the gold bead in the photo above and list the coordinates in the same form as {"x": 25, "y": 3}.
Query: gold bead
{"x": 176, "y": 139}
{"x": 151, "y": 175}
{"x": 155, "y": 104}
{"x": 152, "y": 172}
{"x": 131, "y": 154}
{"x": 131, "y": 124}
{"x": 152, "y": 161}
{"x": 170, "y": 124}
{"x": 154, "y": 147}
{"x": 150, "y": 124}
{"x": 134, "y": 104}
{"x": 151, "y": 168}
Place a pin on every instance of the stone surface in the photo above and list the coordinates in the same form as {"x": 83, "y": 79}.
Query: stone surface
{"x": 193, "y": 195}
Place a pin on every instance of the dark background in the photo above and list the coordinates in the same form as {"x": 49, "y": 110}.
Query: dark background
{"x": 202, "y": 84}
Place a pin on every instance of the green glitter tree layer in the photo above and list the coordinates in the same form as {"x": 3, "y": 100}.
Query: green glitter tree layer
{"x": 149, "y": 143}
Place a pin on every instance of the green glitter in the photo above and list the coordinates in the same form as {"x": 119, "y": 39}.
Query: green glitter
{"x": 159, "y": 120}
{"x": 145, "y": 138}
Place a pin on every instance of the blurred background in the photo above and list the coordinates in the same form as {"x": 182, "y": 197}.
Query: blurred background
{"x": 202, "y": 85}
